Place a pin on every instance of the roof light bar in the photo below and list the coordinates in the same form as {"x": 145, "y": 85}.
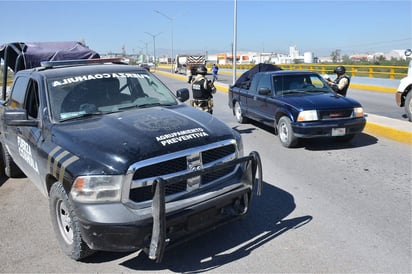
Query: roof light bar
{"x": 50, "y": 64}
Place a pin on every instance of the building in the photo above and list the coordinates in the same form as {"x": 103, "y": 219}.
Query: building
{"x": 263, "y": 57}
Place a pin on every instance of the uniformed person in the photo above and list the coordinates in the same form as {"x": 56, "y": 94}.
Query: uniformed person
{"x": 203, "y": 90}
{"x": 202, "y": 87}
{"x": 341, "y": 84}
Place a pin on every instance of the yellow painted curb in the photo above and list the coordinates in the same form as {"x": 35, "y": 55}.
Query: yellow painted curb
{"x": 388, "y": 132}
{"x": 373, "y": 88}
{"x": 184, "y": 78}
{"x": 169, "y": 74}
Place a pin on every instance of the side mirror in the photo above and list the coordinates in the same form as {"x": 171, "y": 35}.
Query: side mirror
{"x": 18, "y": 117}
{"x": 264, "y": 91}
{"x": 182, "y": 94}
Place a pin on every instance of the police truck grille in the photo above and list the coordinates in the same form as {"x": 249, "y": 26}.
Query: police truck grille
{"x": 144, "y": 175}
{"x": 335, "y": 114}
{"x": 160, "y": 169}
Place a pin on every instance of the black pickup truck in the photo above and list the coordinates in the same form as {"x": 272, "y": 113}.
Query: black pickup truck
{"x": 125, "y": 164}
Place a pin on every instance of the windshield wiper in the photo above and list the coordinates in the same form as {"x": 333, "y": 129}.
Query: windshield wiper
{"x": 146, "y": 105}
{"x": 126, "y": 107}
{"x": 317, "y": 90}
{"x": 83, "y": 115}
{"x": 286, "y": 92}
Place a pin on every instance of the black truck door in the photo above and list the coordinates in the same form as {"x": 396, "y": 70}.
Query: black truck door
{"x": 23, "y": 140}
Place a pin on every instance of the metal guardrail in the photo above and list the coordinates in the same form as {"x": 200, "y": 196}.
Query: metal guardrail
{"x": 385, "y": 72}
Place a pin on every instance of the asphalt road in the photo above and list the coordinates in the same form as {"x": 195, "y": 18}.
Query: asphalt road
{"x": 326, "y": 207}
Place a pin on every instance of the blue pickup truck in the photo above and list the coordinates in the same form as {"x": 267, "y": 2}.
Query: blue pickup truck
{"x": 298, "y": 104}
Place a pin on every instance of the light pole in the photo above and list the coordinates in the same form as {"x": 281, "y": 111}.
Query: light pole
{"x": 145, "y": 43}
{"x": 171, "y": 31}
{"x": 154, "y": 46}
{"x": 234, "y": 50}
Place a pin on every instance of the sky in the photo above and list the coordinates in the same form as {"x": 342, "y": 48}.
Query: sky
{"x": 320, "y": 26}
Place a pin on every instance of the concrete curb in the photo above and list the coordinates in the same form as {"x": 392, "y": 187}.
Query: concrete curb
{"x": 394, "y": 129}
{"x": 389, "y": 128}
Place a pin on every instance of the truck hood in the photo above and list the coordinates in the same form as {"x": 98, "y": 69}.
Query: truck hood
{"x": 111, "y": 143}
{"x": 318, "y": 101}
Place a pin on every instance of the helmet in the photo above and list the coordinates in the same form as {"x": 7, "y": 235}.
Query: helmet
{"x": 339, "y": 70}
{"x": 201, "y": 70}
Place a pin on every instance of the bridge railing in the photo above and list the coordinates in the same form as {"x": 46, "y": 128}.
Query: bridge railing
{"x": 385, "y": 72}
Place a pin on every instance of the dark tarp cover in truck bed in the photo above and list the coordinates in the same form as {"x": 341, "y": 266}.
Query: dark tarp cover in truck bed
{"x": 244, "y": 80}
{"x": 18, "y": 56}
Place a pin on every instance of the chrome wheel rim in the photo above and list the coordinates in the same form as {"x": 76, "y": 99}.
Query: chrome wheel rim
{"x": 64, "y": 222}
{"x": 283, "y": 132}
{"x": 238, "y": 112}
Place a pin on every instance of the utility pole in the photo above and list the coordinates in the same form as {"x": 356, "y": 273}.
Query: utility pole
{"x": 171, "y": 31}
{"x": 154, "y": 45}
{"x": 234, "y": 50}
{"x": 147, "y": 53}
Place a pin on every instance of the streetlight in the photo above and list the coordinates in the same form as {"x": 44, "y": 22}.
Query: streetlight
{"x": 171, "y": 31}
{"x": 154, "y": 45}
{"x": 146, "y": 50}
{"x": 234, "y": 50}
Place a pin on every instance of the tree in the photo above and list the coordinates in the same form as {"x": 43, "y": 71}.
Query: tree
{"x": 346, "y": 59}
{"x": 335, "y": 55}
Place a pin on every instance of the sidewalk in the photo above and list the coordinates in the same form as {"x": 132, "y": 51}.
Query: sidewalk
{"x": 394, "y": 129}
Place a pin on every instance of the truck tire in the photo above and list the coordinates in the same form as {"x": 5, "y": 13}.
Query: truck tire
{"x": 285, "y": 132}
{"x": 11, "y": 170}
{"x": 66, "y": 225}
{"x": 408, "y": 105}
{"x": 237, "y": 111}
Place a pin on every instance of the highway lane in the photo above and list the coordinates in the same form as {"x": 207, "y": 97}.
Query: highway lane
{"x": 374, "y": 102}
{"x": 326, "y": 207}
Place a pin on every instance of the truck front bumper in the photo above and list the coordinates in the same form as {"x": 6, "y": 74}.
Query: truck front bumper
{"x": 119, "y": 227}
{"x": 398, "y": 98}
{"x": 326, "y": 128}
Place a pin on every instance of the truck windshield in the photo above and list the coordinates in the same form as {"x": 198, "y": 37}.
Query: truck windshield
{"x": 296, "y": 83}
{"x": 77, "y": 95}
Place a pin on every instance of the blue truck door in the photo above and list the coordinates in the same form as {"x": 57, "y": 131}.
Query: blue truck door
{"x": 260, "y": 105}
{"x": 252, "y": 100}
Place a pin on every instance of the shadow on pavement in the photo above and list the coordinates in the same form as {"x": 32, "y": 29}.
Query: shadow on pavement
{"x": 322, "y": 143}
{"x": 360, "y": 140}
{"x": 3, "y": 179}
{"x": 264, "y": 222}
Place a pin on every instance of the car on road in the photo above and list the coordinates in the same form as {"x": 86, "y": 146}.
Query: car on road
{"x": 298, "y": 104}
{"x": 146, "y": 66}
{"x": 404, "y": 92}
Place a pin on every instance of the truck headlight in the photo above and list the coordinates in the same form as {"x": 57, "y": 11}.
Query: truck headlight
{"x": 358, "y": 112}
{"x": 239, "y": 143}
{"x": 97, "y": 188}
{"x": 308, "y": 115}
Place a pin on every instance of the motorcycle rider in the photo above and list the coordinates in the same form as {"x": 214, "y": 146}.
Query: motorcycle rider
{"x": 341, "y": 84}
{"x": 202, "y": 90}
